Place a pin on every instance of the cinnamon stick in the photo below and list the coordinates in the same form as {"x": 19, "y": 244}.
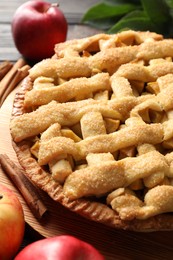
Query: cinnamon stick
{"x": 20, "y": 74}
{"x": 5, "y": 66}
{"x": 26, "y": 188}
{"x": 9, "y": 76}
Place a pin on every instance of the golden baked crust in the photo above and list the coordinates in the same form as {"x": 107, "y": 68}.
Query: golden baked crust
{"x": 93, "y": 128}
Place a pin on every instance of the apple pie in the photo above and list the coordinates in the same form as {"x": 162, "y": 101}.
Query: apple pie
{"x": 93, "y": 127}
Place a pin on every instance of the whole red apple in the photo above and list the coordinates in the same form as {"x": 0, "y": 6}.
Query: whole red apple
{"x": 63, "y": 247}
{"x": 12, "y": 223}
{"x": 36, "y": 27}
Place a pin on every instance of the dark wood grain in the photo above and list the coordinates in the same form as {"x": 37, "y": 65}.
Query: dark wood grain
{"x": 118, "y": 244}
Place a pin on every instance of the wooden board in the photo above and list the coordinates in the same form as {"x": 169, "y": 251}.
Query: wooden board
{"x": 113, "y": 244}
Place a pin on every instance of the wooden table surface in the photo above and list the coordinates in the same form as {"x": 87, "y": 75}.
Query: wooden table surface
{"x": 121, "y": 245}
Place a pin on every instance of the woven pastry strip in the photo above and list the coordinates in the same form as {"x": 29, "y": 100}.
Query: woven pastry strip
{"x": 95, "y": 122}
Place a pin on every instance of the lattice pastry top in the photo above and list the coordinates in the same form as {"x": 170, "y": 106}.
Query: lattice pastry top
{"x": 98, "y": 120}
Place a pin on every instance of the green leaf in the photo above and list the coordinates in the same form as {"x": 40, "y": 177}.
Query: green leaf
{"x": 158, "y": 11}
{"x": 169, "y": 3}
{"x": 103, "y": 24}
{"x": 117, "y": 2}
{"x": 115, "y": 15}
{"x": 103, "y": 10}
{"x": 170, "y": 6}
{"x": 136, "y": 20}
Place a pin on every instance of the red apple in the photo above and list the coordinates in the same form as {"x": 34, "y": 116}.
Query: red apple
{"x": 59, "y": 248}
{"x": 12, "y": 223}
{"x": 36, "y": 27}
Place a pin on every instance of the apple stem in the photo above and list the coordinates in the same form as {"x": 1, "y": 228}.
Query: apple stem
{"x": 52, "y": 5}
{"x": 55, "y": 5}
{"x": 1, "y": 196}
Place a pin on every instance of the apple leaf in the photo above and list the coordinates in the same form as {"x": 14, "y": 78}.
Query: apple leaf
{"x": 136, "y": 20}
{"x": 114, "y": 15}
{"x": 116, "y": 2}
{"x": 158, "y": 11}
{"x": 102, "y": 24}
{"x": 103, "y": 10}
{"x": 169, "y": 3}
